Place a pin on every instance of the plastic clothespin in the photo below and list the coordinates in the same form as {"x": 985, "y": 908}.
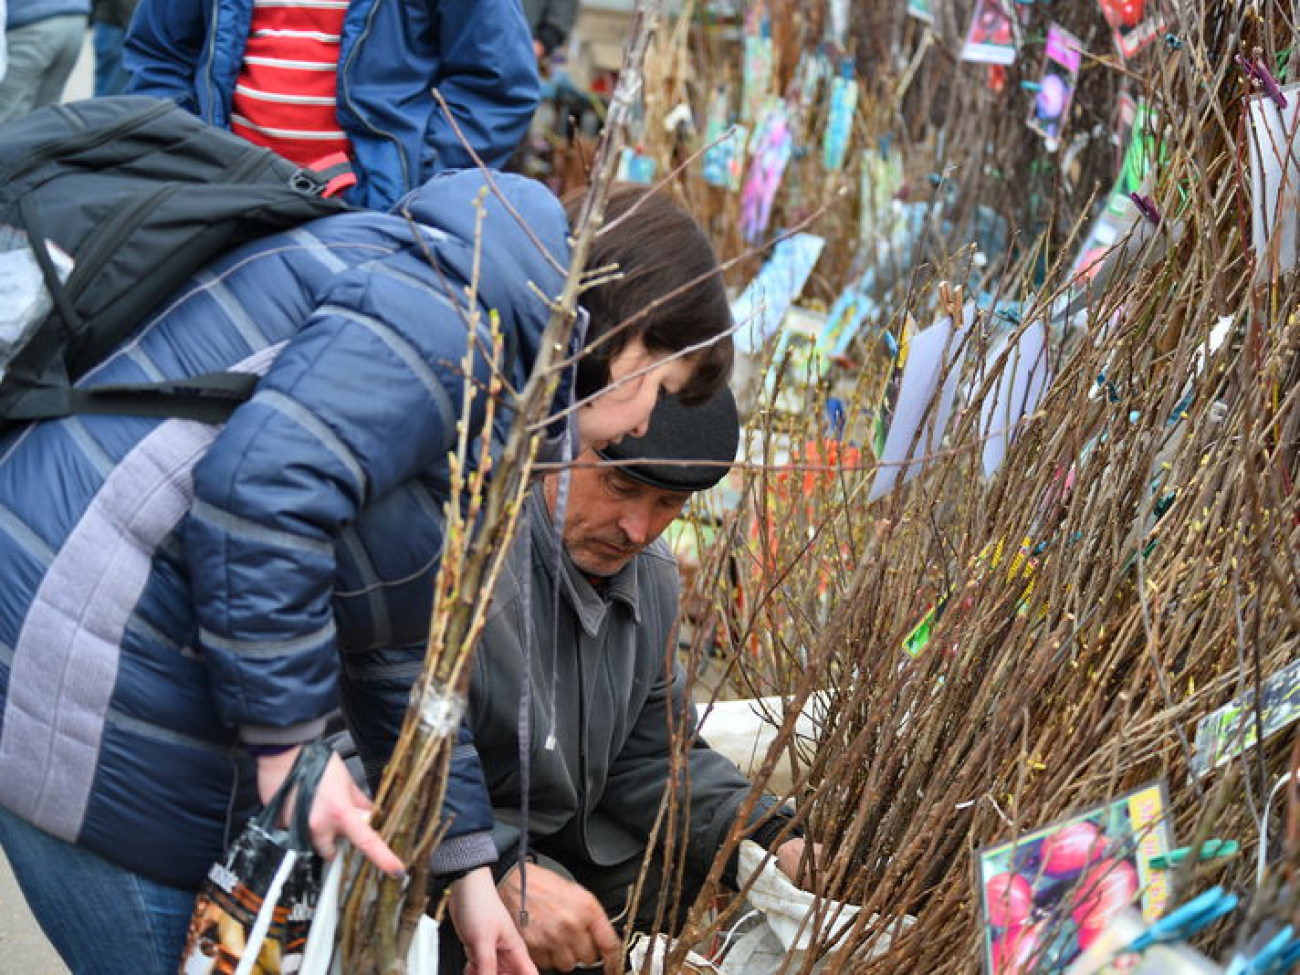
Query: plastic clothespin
{"x": 951, "y": 300}
{"x": 1187, "y": 919}
{"x": 1210, "y": 849}
{"x": 1270, "y": 959}
{"x": 1174, "y": 42}
{"x": 1264, "y": 78}
{"x": 1290, "y": 955}
{"x": 1031, "y": 86}
{"x": 1146, "y": 206}
{"x": 891, "y": 343}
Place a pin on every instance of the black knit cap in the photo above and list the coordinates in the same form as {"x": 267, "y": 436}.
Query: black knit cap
{"x": 707, "y": 434}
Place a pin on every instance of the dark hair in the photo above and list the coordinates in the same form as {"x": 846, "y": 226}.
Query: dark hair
{"x": 667, "y": 291}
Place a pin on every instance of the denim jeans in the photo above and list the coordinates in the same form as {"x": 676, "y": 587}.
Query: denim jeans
{"x": 101, "y": 919}
{"x": 110, "y": 76}
{"x": 41, "y": 56}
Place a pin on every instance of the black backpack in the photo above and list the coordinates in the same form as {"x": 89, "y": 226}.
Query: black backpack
{"x": 118, "y": 201}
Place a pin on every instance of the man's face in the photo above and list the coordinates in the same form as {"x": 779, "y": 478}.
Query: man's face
{"x": 611, "y": 517}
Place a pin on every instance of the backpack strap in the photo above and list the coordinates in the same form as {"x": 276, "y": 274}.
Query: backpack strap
{"x": 334, "y": 173}
{"x": 208, "y": 398}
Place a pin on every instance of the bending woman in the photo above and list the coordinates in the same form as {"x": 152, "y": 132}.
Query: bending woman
{"x": 184, "y": 604}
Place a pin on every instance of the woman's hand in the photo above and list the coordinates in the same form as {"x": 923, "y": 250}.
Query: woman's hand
{"x": 486, "y": 929}
{"x": 341, "y": 810}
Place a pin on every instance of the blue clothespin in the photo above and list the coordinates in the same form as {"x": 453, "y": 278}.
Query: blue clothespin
{"x": 1186, "y": 920}
{"x": 1268, "y": 960}
{"x": 1290, "y": 955}
{"x": 891, "y": 343}
{"x": 1031, "y": 86}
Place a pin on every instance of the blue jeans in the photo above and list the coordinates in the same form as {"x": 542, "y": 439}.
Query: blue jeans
{"x": 101, "y": 919}
{"x": 110, "y": 76}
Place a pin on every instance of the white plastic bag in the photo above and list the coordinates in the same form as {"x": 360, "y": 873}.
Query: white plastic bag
{"x": 320, "y": 957}
{"x": 790, "y": 920}
{"x": 25, "y": 300}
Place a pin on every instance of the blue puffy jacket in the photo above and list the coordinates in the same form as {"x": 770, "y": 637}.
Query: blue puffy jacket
{"x": 169, "y": 588}
{"x": 477, "y": 53}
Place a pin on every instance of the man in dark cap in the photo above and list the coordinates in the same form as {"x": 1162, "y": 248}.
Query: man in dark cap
{"x": 595, "y": 670}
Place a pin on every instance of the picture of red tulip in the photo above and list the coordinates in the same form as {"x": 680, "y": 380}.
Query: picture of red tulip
{"x": 1018, "y": 950}
{"x": 1008, "y": 898}
{"x": 1104, "y": 889}
{"x": 1072, "y": 848}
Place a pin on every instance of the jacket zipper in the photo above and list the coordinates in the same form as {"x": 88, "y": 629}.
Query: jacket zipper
{"x": 346, "y": 85}
{"x": 212, "y": 68}
{"x": 43, "y": 153}
{"x": 582, "y": 747}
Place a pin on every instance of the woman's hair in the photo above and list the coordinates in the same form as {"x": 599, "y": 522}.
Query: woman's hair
{"x": 667, "y": 291}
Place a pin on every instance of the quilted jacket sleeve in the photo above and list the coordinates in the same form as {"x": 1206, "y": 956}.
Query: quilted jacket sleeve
{"x": 489, "y": 79}
{"x": 162, "y": 48}
{"x": 363, "y": 398}
{"x": 376, "y": 687}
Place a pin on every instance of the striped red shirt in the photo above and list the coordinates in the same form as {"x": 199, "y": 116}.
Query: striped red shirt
{"x": 286, "y": 92}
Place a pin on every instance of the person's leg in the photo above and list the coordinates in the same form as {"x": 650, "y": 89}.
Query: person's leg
{"x": 37, "y": 52}
{"x": 110, "y": 75}
{"x": 65, "y": 37}
{"x": 99, "y": 917}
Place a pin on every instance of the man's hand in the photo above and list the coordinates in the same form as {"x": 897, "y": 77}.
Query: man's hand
{"x": 486, "y": 929}
{"x": 790, "y": 860}
{"x": 566, "y": 927}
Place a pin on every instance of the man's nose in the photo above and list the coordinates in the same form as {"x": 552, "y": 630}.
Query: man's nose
{"x": 635, "y": 524}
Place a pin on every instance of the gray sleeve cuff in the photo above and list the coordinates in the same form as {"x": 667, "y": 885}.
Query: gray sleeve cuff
{"x": 463, "y": 853}
{"x": 295, "y": 734}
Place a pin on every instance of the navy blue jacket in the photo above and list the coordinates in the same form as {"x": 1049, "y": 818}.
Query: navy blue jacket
{"x": 169, "y": 589}
{"x": 477, "y": 53}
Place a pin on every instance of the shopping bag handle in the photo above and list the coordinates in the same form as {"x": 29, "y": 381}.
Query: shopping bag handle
{"x": 305, "y": 776}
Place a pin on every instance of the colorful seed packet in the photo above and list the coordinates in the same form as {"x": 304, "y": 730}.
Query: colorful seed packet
{"x": 762, "y": 306}
{"x": 756, "y": 74}
{"x": 992, "y": 37}
{"x": 882, "y": 178}
{"x": 1138, "y": 131}
{"x": 844, "y": 321}
{"x": 723, "y": 161}
{"x": 1233, "y": 729}
{"x": 839, "y": 120}
{"x": 1056, "y": 85}
{"x": 773, "y": 145}
{"x": 1047, "y": 896}
{"x": 1132, "y": 27}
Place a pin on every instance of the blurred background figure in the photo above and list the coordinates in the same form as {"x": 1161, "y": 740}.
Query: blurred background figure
{"x": 550, "y": 22}
{"x": 43, "y": 39}
{"x": 322, "y": 80}
{"x": 110, "y": 19}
